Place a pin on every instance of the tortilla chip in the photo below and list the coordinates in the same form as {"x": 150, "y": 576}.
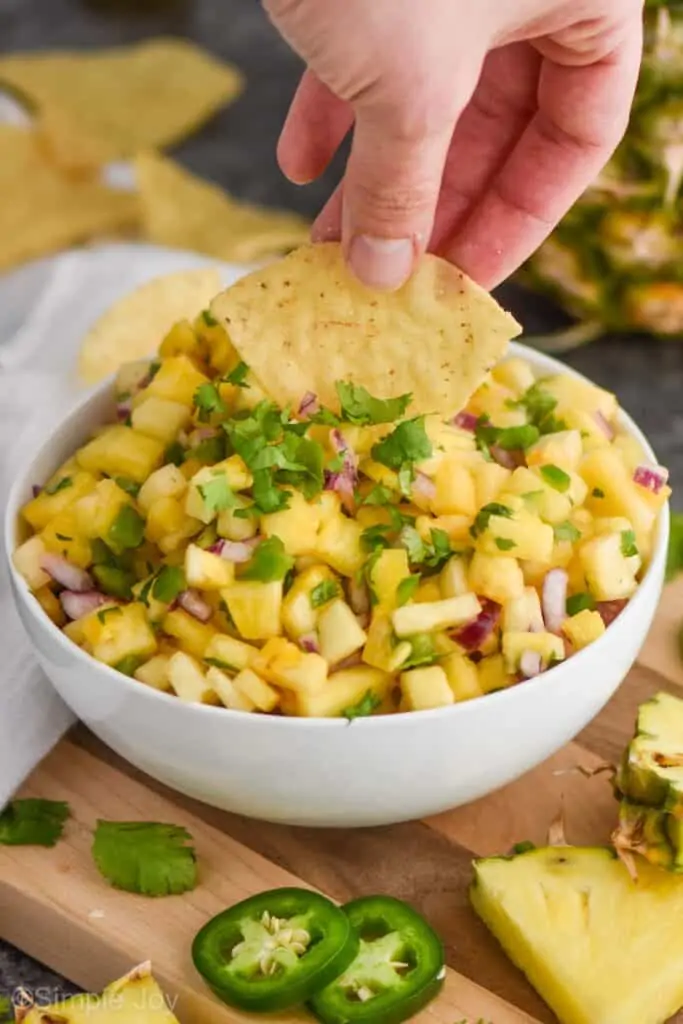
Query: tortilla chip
{"x": 134, "y": 327}
{"x": 96, "y": 107}
{"x": 41, "y": 211}
{"x": 183, "y": 211}
{"x": 305, "y": 322}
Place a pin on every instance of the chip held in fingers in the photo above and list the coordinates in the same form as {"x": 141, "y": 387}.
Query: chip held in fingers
{"x": 305, "y": 322}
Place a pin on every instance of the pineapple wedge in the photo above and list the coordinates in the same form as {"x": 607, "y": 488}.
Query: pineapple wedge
{"x": 134, "y": 999}
{"x": 599, "y": 947}
{"x": 651, "y": 770}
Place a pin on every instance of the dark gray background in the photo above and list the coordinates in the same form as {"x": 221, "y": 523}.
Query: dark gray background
{"x": 237, "y": 150}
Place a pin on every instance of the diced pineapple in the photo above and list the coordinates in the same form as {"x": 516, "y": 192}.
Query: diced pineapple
{"x": 592, "y": 433}
{"x": 571, "y": 394}
{"x": 425, "y": 688}
{"x": 206, "y": 570}
{"x": 498, "y": 577}
{"x": 168, "y": 525}
{"x": 583, "y": 628}
{"x": 551, "y": 505}
{"x": 188, "y": 681}
{"x": 96, "y": 512}
{"x": 453, "y": 578}
{"x": 631, "y": 451}
{"x": 193, "y": 636}
{"x": 296, "y": 526}
{"x": 159, "y": 418}
{"x": 49, "y": 602}
{"x": 298, "y": 614}
{"x": 130, "y": 376}
{"x": 222, "y": 354}
{"x": 255, "y": 608}
{"x": 40, "y": 510}
{"x": 493, "y": 674}
{"x": 339, "y": 545}
{"x": 234, "y": 527}
{"x": 454, "y": 489}
{"x": 446, "y": 439}
{"x": 515, "y": 374}
{"x": 605, "y": 473}
{"x": 227, "y": 692}
{"x": 456, "y": 527}
{"x": 498, "y": 403}
{"x": 226, "y": 652}
{"x": 283, "y": 663}
{"x": 549, "y": 646}
{"x": 489, "y": 480}
{"x": 198, "y": 503}
{"x": 523, "y": 613}
{"x": 386, "y": 573}
{"x": 121, "y": 451}
{"x": 155, "y": 673}
{"x": 166, "y": 482}
{"x": 428, "y": 591}
{"x": 176, "y": 380}
{"x": 61, "y": 536}
{"x": 27, "y": 560}
{"x": 462, "y": 677}
{"x": 180, "y": 340}
{"x": 524, "y": 535}
{"x": 381, "y": 650}
{"x": 155, "y": 609}
{"x": 380, "y": 474}
{"x": 437, "y": 615}
{"x": 339, "y": 633}
{"x": 343, "y": 691}
{"x": 562, "y": 449}
{"x": 262, "y": 696}
{"x": 610, "y": 574}
{"x": 122, "y": 631}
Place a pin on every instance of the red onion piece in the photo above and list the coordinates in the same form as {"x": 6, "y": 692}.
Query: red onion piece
{"x": 343, "y": 481}
{"x": 35, "y": 490}
{"x": 604, "y": 425}
{"x": 652, "y": 478}
{"x": 424, "y": 487}
{"x": 554, "y": 599}
{"x": 309, "y": 405}
{"x": 236, "y": 551}
{"x": 359, "y": 597}
{"x": 363, "y": 620}
{"x": 473, "y": 635}
{"x": 195, "y": 605}
{"x": 309, "y": 642}
{"x": 67, "y": 575}
{"x": 123, "y": 410}
{"x": 76, "y": 605}
{"x": 466, "y": 421}
{"x": 530, "y": 664}
{"x": 609, "y": 610}
{"x": 508, "y": 459}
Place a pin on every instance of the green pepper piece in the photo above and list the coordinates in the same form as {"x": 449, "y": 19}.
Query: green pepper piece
{"x": 127, "y": 530}
{"x": 273, "y": 951}
{"x": 114, "y": 581}
{"x": 399, "y": 968}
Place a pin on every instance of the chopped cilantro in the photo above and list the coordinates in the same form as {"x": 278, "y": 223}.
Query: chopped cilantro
{"x": 145, "y": 857}
{"x": 336, "y": 463}
{"x": 629, "y": 548}
{"x": 175, "y": 454}
{"x": 439, "y": 549}
{"x": 674, "y": 561}
{"x": 597, "y": 493}
{"x": 114, "y": 581}
{"x": 365, "y": 706}
{"x": 106, "y": 613}
{"x": 32, "y": 822}
{"x": 269, "y": 562}
{"x": 325, "y": 591}
{"x": 407, "y": 443}
{"x": 60, "y": 485}
{"x": 366, "y": 572}
{"x": 325, "y": 417}
{"x": 539, "y": 405}
{"x": 484, "y": 514}
{"x": 128, "y": 665}
{"x": 379, "y": 495}
{"x": 127, "y": 531}
{"x": 127, "y": 485}
{"x": 423, "y": 651}
{"x": 376, "y": 537}
{"x": 505, "y": 543}
{"x": 217, "y": 494}
{"x": 567, "y": 531}
{"x": 208, "y": 318}
{"x": 556, "y": 477}
{"x": 406, "y": 477}
{"x": 267, "y": 497}
{"x": 579, "y": 603}
{"x": 406, "y": 589}
{"x": 412, "y": 541}
{"x": 217, "y": 663}
{"x": 358, "y": 405}
{"x": 238, "y": 375}
{"x": 208, "y": 401}
{"x": 305, "y": 471}
{"x": 209, "y": 450}
{"x": 168, "y": 583}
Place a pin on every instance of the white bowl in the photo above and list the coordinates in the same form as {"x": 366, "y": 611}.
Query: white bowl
{"x": 330, "y": 772}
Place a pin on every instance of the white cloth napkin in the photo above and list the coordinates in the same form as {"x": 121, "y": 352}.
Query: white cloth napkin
{"x": 45, "y": 309}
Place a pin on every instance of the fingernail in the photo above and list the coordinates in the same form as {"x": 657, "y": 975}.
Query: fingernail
{"x": 384, "y": 263}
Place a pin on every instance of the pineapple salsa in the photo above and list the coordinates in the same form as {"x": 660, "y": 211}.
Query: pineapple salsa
{"x": 303, "y": 561}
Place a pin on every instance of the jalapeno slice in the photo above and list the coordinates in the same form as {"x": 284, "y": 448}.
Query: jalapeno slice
{"x": 398, "y": 970}
{"x": 275, "y": 950}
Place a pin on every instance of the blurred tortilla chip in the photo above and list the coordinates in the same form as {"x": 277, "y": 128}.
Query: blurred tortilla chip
{"x": 41, "y": 211}
{"x": 134, "y": 327}
{"x": 95, "y": 107}
{"x": 304, "y": 322}
{"x": 185, "y": 212}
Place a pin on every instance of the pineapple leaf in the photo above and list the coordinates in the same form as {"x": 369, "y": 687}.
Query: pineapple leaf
{"x": 33, "y": 822}
{"x": 144, "y": 857}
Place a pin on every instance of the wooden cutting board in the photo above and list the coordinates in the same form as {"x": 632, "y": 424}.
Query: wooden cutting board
{"x": 55, "y": 906}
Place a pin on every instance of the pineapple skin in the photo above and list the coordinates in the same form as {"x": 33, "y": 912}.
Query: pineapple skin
{"x": 651, "y": 769}
{"x": 598, "y": 947}
{"x": 615, "y": 259}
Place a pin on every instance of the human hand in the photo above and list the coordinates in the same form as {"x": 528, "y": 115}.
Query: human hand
{"x": 476, "y": 125}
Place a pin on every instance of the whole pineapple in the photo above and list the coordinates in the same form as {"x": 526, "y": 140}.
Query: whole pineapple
{"x": 616, "y": 261}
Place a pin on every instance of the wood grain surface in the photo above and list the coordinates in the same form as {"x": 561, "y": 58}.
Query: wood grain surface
{"x": 55, "y": 906}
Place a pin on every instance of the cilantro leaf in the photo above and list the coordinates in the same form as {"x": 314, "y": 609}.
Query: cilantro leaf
{"x": 365, "y": 706}
{"x": 514, "y": 438}
{"x": 674, "y": 561}
{"x": 556, "y": 477}
{"x": 175, "y": 454}
{"x": 505, "y": 543}
{"x": 408, "y": 442}
{"x": 269, "y": 562}
{"x": 60, "y": 485}
{"x": 267, "y": 497}
{"x": 567, "y": 531}
{"x": 217, "y": 494}
{"x": 33, "y": 822}
{"x": 238, "y": 375}
{"x": 168, "y": 583}
{"x": 526, "y": 846}
{"x": 539, "y": 405}
{"x": 306, "y": 468}
{"x": 406, "y": 589}
{"x": 376, "y": 537}
{"x": 358, "y": 405}
{"x": 208, "y": 401}
{"x": 579, "y": 603}
{"x": 208, "y": 318}
{"x": 145, "y": 857}
{"x": 127, "y": 485}
{"x": 325, "y": 591}
{"x": 127, "y": 531}
{"x": 439, "y": 550}
{"x": 629, "y": 548}
{"x": 406, "y": 478}
{"x": 484, "y": 514}
{"x": 379, "y": 495}
{"x": 424, "y": 651}
{"x": 412, "y": 541}
{"x": 325, "y": 417}
{"x": 128, "y": 665}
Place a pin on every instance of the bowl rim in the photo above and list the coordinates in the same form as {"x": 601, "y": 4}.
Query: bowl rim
{"x": 496, "y": 699}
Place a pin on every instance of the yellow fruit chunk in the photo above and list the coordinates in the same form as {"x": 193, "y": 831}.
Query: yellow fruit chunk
{"x": 343, "y": 692}
{"x": 176, "y": 381}
{"x": 166, "y": 482}
{"x": 489, "y": 480}
{"x": 96, "y": 512}
{"x": 120, "y": 632}
{"x": 436, "y": 615}
{"x": 610, "y": 574}
{"x": 168, "y": 525}
{"x": 455, "y": 489}
{"x": 606, "y": 474}
{"x": 62, "y": 537}
{"x": 214, "y": 485}
{"x": 386, "y": 573}
{"x": 562, "y": 449}
{"x": 523, "y": 535}
{"x": 493, "y": 675}
{"x": 207, "y": 571}
{"x": 228, "y": 694}
{"x": 583, "y": 628}
{"x": 262, "y": 696}
{"x": 299, "y": 616}
{"x": 549, "y": 646}
{"x": 515, "y": 374}
{"x": 381, "y": 650}
{"x": 296, "y": 526}
{"x": 462, "y": 677}
{"x": 453, "y": 578}
{"x": 255, "y": 608}
{"x": 228, "y": 653}
{"x": 180, "y": 340}
{"x": 188, "y": 680}
{"x": 523, "y": 613}
{"x": 27, "y": 560}
{"x": 425, "y": 688}
{"x": 121, "y": 451}
{"x": 40, "y": 510}
{"x": 155, "y": 673}
{"x": 339, "y": 632}
{"x": 498, "y": 577}
{"x": 339, "y": 545}
{"x": 286, "y": 665}
{"x": 160, "y": 418}
{"x": 193, "y": 636}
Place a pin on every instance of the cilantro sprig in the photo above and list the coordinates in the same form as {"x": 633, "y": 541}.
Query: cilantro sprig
{"x": 365, "y": 706}
{"x": 406, "y": 444}
{"x": 217, "y": 494}
{"x": 143, "y": 857}
{"x": 481, "y": 522}
{"x": 360, "y": 407}
{"x": 270, "y": 562}
{"x": 628, "y": 545}
{"x": 208, "y": 402}
{"x": 33, "y": 822}
{"x": 323, "y": 593}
